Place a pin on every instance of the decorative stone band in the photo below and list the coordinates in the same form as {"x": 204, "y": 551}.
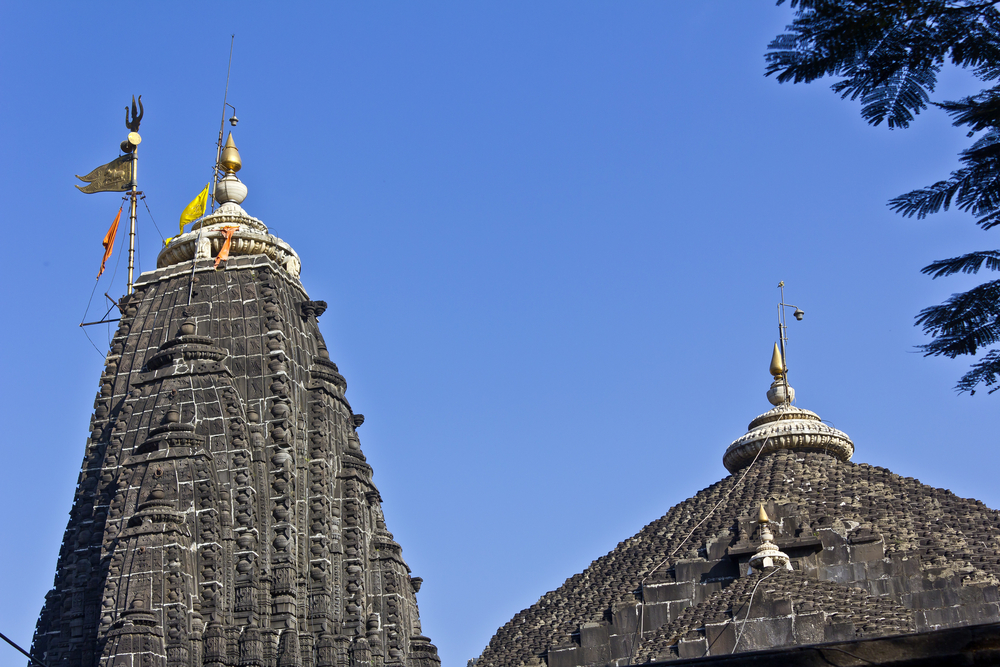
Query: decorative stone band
{"x": 787, "y": 427}
{"x": 229, "y": 214}
{"x": 206, "y": 237}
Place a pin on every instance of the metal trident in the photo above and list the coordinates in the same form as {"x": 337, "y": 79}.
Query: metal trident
{"x": 136, "y": 117}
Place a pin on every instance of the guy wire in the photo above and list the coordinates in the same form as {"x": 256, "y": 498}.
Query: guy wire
{"x": 155, "y": 226}
{"x": 642, "y": 607}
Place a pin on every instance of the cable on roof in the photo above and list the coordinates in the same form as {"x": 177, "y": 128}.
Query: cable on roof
{"x": 749, "y": 605}
{"x": 642, "y": 606}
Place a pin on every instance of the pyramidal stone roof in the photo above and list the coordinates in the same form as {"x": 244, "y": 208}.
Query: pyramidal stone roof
{"x": 225, "y": 513}
{"x": 872, "y": 553}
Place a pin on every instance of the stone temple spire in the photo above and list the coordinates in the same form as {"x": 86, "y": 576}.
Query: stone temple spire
{"x": 226, "y": 515}
{"x": 785, "y": 427}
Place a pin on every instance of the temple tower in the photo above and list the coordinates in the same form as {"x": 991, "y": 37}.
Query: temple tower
{"x": 225, "y": 514}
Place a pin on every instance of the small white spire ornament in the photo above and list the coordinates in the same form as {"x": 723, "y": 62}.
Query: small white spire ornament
{"x": 768, "y": 555}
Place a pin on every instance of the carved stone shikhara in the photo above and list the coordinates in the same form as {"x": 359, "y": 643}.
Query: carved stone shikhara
{"x": 225, "y": 514}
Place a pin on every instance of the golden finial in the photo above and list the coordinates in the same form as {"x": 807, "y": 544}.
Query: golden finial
{"x": 230, "y": 158}
{"x": 777, "y": 362}
{"x": 762, "y": 516}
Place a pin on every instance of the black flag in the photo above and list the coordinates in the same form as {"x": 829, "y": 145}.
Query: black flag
{"x": 115, "y": 176}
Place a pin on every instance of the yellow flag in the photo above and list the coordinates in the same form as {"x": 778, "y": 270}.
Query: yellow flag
{"x": 195, "y": 209}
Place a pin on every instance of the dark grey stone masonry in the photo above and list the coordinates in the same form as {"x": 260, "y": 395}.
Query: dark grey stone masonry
{"x": 873, "y": 553}
{"x": 225, "y": 514}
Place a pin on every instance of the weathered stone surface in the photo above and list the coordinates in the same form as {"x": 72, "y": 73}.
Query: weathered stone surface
{"x": 873, "y": 554}
{"x": 225, "y": 514}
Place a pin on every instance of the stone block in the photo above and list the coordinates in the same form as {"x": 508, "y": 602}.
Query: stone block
{"x": 721, "y": 637}
{"x": 878, "y": 569}
{"x": 703, "y": 592}
{"x": 839, "y": 632}
{"x": 940, "y": 618}
{"x": 991, "y": 594}
{"x": 705, "y": 571}
{"x": 916, "y": 584}
{"x": 876, "y": 586}
{"x": 667, "y": 592}
{"x": 927, "y": 599}
{"x": 564, "y": 656}
{"x": 832, "y": 555}
{"x": 830, "y": 538}
{"x": 657, "y": 615}
{"x": 595, "y": 644}
{"x": 621, "y": 646}
{"x": 841, "y": 574}
{"x": 721, "y": 570}
{"x": 867, "y": 551}
{"x": 593, "y": 634}
{"x": 971, "y": 595}
{"x": 987, "y": 612}
{"x": 765, "y": 633}
{"x": 950, "y": 597}
{"x": 716, "y": 550}
{"x": 809, "y": 628}
{"x": 626, "y": 620}
{"x": 782, "y": 607}
{"x": 692, "y": 649}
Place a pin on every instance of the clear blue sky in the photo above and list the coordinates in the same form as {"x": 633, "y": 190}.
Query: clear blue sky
{"x": 549, "y": 233}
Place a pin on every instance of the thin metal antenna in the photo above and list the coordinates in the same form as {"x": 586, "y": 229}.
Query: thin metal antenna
{"x": 215, "y": 169}
{"x": 783, "y": 335}
{"x": 222, "y": 123}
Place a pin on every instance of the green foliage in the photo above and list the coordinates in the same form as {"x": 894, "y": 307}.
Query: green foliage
{"x": 888, "y": 54}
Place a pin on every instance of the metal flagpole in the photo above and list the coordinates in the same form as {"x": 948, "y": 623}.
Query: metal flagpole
{"x": 131, "y": 146}
{"x": 131, "y": 227}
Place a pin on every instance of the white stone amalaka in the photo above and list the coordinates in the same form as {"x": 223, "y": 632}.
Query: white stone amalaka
{"x": 786, "y": 427}
{"x": 251, "y": 237}
{"x": 230, "y": 189}
{"x": 780, "y": 392}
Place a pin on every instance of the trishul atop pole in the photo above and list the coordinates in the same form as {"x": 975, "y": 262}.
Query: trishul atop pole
{"x": 131, "y": 146}
{"x": 119, "y": 175}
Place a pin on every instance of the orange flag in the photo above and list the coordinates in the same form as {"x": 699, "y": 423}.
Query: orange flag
{"x": 109, "y": 241}
{"x": 224, "y": 252}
